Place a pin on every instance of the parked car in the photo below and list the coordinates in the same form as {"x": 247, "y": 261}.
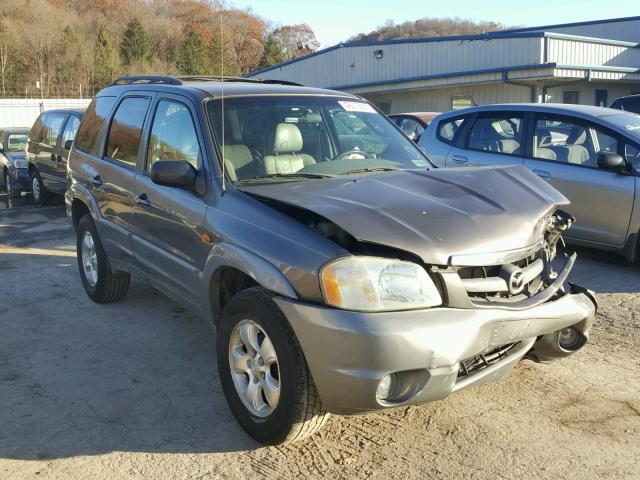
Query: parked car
{"x": 413, "y": 124}
{"x": 48, "y": 147}
{"x": 630, "y": 103}
{"x": 590, "y": 154}
{"x": 343, "y": 273}
{"x": 13, "y": 165}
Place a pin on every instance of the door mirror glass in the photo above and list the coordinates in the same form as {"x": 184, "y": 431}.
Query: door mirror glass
{"x": 68, "y": 144}
{"x": 611, "y": 161}
{"x": 173, "y": 173}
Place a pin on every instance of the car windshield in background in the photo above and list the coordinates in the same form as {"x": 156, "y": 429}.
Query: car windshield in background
{"x": 629, "y": 122}
{"x": 271, "y": 138}
{"x": 17, "y": 143}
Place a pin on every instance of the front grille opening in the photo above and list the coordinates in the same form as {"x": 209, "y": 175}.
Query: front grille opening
{"x": 479, "y": 362}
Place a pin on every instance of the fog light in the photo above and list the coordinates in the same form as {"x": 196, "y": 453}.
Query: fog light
{"x": 569, "y": 338}
{"x": 386, "y": 386}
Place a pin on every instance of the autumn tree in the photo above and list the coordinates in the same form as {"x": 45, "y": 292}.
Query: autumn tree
{"x": 296, "y": 40}
{"x": 194, "y": 55}
{"x": 135, "y": 47}
{"x": 7, "y": 54}
{"x": 272, "y": 54}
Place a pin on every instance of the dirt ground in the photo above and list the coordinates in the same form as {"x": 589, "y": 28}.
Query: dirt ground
{"x": 131, "y": 390}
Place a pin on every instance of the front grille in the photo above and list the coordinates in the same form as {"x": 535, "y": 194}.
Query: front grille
{"x": 502, "y": 283}
{"x": 479, "y": 362}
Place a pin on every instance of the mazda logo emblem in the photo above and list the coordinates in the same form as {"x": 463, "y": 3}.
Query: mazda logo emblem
{"x": 516, "y": 282}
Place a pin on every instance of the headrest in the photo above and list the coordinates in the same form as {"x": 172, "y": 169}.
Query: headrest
{"x": 577, "y": 136}
{"x": 288, "y": 139}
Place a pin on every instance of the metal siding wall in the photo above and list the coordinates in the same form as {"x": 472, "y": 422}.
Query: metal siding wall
{"x": 627, "y": 31}
{"x": 20, "y": 112}
{"x": 587, "y": 91}
{"x": 404, "y": 60}
{"x": 571, "y": 52}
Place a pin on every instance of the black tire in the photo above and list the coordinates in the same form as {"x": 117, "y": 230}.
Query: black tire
{"x": 40, "y": 194}
{"x": 3, "y": 187}
{"x": 299, "y": 412}
{"x": 12, "y": 192}
{"x": 110, "y": 286}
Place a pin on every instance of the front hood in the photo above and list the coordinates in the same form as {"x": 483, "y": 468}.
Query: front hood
{"x": 433, "y": 214}
{"x": 14, "y": 156}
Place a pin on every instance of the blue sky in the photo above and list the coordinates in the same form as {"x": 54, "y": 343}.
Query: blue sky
{"x": 337, "y": 20}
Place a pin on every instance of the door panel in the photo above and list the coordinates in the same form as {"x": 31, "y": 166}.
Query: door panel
{"x": 47, "y": 156}
{"x": 167, "y": 232}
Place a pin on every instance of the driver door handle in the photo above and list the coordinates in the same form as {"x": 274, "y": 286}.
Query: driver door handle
{"x": 96, "y": 181}
{"x": 543, "y": 174}
{"x": 143, "y": 200}
{"x": 460, "y": 159}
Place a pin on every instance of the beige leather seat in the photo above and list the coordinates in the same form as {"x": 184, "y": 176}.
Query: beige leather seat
{"x": 286, "y": 147}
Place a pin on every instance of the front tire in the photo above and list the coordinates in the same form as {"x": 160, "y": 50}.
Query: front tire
{"x": 39, "y": 191}
{"x": 99, "y": 281}
{"x": 11, "y": 191}
{"x": 264, "y": 374}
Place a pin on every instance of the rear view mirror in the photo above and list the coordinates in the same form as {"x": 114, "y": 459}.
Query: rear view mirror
{"x": 611, "y": 161}
{"x": 173, "y": 173}
{"x": 68, "y": 144}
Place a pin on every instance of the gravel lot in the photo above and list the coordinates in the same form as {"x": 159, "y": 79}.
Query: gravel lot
{"x": 131, "y": 390}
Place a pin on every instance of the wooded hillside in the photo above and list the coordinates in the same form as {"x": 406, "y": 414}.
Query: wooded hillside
{"x": 428, "y": 27}
{"x": 75, "y": 47}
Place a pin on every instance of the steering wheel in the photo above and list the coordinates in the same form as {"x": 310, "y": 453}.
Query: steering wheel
{"x": 349, "y": 154}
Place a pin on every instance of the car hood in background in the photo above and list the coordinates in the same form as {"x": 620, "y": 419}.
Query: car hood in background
{"x": 13, "y": 156}
{"x": 433, "y": 214}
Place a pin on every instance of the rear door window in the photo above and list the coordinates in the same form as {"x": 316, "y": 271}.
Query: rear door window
{"x": 88, "y": 136}
{"x": 125, "y": 132}
{"x": 498, "y": 133}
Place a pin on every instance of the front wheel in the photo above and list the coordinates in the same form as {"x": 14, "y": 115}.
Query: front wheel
{"x": 263, "y": 371}
{"x": 40, "y": 193}
{"x": 11, "y": 190}
{"x": 99, "y": 281}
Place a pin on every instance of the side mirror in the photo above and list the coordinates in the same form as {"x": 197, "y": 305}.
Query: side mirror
{"x": 612, "y": 162}
{"x": 173, "y": 173}
{"x": 68, "y": 144}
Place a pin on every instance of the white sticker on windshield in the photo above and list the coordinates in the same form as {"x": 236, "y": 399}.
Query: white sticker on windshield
{"x": 356, "y": 106}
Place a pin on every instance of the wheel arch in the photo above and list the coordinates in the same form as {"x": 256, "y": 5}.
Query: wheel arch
{"x": 80, "y": 203}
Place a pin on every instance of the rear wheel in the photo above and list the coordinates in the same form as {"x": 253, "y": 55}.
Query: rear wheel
{"x": 40, "y": 193}
{"x": 263, "y": 371}
{"x": 99, "y": 281}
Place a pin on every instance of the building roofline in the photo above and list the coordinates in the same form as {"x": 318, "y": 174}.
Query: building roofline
{"x": 560, "y": 25}
{"x": 499, "y": 35}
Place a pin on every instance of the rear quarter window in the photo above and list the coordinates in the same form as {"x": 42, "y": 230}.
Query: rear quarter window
{"x": 88, "y": 136}
{"x": 448, "y": 129}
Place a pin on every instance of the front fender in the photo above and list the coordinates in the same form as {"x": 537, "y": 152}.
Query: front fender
{"x": 264, "y": 273}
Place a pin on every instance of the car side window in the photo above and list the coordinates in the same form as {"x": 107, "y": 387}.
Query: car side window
{"x": 411, "y": 128}
{"x": 632, "y": 155}
{"x": 448, "y": 129}
{"x": 125, "y": 131}
{"x": 571, "y": 142}
{"x": 88, "y": 136}
{"x": 51, "y": 129}
{"x": 70, "y": 130}
{"x": 173, "y": 135}
{"x": 37, "y": 130}
{"x": 497, "y": 133}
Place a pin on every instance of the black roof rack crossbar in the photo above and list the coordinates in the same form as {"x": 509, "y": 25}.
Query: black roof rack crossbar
{"x": 166, "y": 80}
{"x": 147, "y": 79}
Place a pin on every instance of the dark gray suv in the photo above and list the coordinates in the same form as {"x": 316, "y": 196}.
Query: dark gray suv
{"x": 342, "y": 271}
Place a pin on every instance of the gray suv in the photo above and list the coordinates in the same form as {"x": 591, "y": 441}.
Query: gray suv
{"x": 343, "y": 273}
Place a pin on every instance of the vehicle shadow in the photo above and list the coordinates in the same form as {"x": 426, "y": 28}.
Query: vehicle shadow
{"x": 604, "y": 272}
{"x": 77, "y": 378}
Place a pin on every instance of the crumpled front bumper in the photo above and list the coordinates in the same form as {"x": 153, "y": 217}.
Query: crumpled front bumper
{"x": 348, "y": 353}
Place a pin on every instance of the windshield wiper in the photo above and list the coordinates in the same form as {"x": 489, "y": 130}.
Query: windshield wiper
{"x": 369, "y": 169}
{"x": 286, "y": 175}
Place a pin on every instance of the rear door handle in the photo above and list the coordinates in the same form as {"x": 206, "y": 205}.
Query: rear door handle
{"x": 460, "y": 159}
{"x": 143, "y": 200}
{"x": 96, "y": 181}
{"x": 543, "y": 174}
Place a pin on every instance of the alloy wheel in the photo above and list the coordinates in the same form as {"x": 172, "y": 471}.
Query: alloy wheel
{"x": 89, "y": 259}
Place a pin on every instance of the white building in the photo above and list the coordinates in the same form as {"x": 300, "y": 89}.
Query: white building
{"x": 590, "y": 63}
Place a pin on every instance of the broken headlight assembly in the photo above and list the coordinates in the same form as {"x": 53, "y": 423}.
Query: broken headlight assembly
{"x": 377, "y": 284}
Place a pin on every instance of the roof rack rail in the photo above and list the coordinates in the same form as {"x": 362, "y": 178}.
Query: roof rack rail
{"x": 166, "y": 80}
{"x": 145, "y": 79}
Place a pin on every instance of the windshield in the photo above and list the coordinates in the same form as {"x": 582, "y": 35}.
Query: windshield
{"x": 629, "y": 122}
{"x": 17, "y": 142}
{"x": 271, "y": 138}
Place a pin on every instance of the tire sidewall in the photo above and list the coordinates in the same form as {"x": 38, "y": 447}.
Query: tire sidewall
{"x": 86, "y": 224}
{"x": 41, "y": 198}
{"x": 262, "y": 310}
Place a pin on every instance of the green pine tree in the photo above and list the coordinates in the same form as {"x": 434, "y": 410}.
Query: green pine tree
{"x": 193, "y": 56}
{"x": 272, "y": 52}
{"x": 136, "y": 46}
{"x": 106, "y": 59}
